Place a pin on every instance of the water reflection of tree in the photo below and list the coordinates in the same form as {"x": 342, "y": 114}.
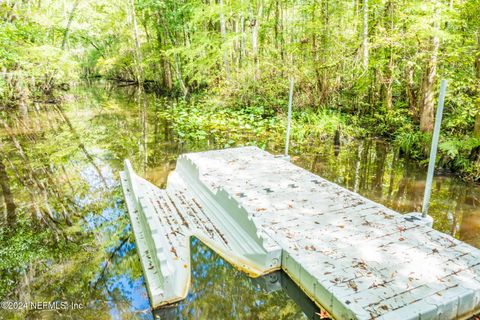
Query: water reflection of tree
{"x": 7, "y": 198}
{"x": 60, "y": 247}
{"x": 221, "y": 292}
{"x": 379, "y": 172}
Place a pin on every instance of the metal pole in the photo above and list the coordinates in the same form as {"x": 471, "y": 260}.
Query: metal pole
{"x": 290, "y": 100}
{"x": 433, "y": 150}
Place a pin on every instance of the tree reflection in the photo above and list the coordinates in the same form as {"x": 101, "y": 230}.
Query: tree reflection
{"x": 377, "y": 171}
{"x": 219, "y": 291}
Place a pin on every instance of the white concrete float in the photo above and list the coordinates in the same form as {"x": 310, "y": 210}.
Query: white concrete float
{"x": 354, "y": 257}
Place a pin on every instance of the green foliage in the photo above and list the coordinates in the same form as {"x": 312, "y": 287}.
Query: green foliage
{"x": 322, "y": 125}
{"x": 202, "y": 119}
{"x": 119, "y": 66}
{"x": 271, "y": 95}
{"x": 198, "y": 120}
{"x": 388, "y": 123}
{"x": 413, "y": 143}
{"x": 30, "y": 62}
{"x": 462, "y": 154}
{"x": 49, "y": 65}
{"x": 19, "y": 249}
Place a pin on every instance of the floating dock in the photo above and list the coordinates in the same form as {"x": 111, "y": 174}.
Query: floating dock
{"x": 355, "y": 258}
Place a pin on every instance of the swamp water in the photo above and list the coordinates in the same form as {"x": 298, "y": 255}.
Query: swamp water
{"x": 61, "y": 163}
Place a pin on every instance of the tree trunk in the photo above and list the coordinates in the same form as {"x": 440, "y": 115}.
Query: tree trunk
{"x": 223, "y": 33}
{"x": 23, "y": 101}
{"x": 176, "y": 63}
{"x": 411, "y": 91}
{"x": 388, "y": 84}
{"x": 315, "y": 59}
{"x": 356, "y": 14}
{"x": 69, "y": 23}
{"x": 237, "y": 43}
{"x": 178, "y": 71}
{"x": 142, "y": 106}
{"x": 365, "y": 34}
{"x": 167, "y": 81}
{"x": 276, "y": 27}
{"x": 476, "y": 130}
{"x": 323, "y": 80}
{"x": 243, "y": 51}
{"x": 380, "y": 159}
{"x": 388, "y": 81}
{"x": 358, "y": 163}
{"x": 255, "y": 30}
{"x": 138, "y": 52}
{"x": 7, "y": 194}
{"x": 427, "y": 106}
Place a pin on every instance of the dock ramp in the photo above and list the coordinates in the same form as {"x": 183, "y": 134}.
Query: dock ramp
{"x": 355, "y": 258}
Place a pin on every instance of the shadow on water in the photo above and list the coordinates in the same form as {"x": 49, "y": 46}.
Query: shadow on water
{"x": 65, "y": 235}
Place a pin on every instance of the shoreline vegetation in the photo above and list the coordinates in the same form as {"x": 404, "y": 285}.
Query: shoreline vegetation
{"x": 362, "y": 68}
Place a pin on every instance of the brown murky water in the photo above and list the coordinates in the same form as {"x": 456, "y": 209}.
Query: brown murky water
{"x": 72, "y": 240}
{"x": 376, "y": 170}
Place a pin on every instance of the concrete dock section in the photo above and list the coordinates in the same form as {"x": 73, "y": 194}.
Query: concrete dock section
{"x": 355, "y": 258}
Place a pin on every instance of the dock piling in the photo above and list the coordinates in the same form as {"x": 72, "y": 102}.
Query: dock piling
{"x": 433, "y": 149}
{"x": 289, "y": 120}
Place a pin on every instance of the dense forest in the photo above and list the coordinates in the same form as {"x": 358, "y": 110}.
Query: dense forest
{"x": 371, "y": 65}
